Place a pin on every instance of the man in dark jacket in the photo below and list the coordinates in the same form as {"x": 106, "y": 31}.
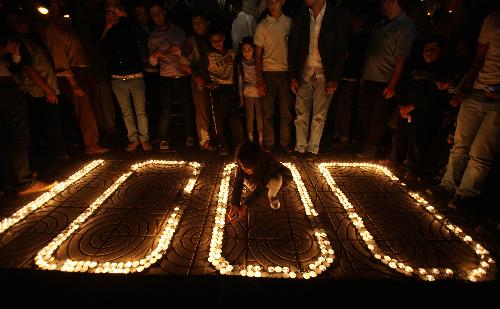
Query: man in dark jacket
{"x": 316, "y": 56}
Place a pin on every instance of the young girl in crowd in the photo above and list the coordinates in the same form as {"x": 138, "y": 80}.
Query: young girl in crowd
{"x": 222, "y": 82}
{"x": 249, "y": 94}
{"x": 258, "y": 171}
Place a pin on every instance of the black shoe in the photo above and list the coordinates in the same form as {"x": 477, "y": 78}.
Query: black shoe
{"x": 438, "y": 192}
{"x": 286, "y": 150}
{"x": 458, "y": 202}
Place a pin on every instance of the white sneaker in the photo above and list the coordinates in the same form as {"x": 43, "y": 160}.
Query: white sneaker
{"x": 274, "y": 202}
{"x": 164, "y": 146}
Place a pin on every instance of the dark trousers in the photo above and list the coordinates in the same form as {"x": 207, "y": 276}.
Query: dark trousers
{"x": 45, "y": 123}
{"x": 14, "y": 128}
{"x": 152, "y": 83}
{"x": 226, "y": 109}
{"x": 277, "y": 85}
{"x": 171, "y": 90}
{"x": 82, "y": 105}
{"x": 345, "y": 100}
{"x": 203, "y": 112}
{"x": 375, "y": 113}
{"x": 412, "y": 142}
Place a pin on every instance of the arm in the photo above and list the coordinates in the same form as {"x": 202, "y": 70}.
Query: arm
{"x": 35, "y": 76}
{"x": 293, "y": 48}
{"x": 390, "y": 90}
{"x": 237, "y": 188}
{"x": 261, "y": 85}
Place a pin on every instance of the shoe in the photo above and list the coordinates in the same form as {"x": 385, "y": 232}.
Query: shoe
{"x": 223, "y": 151}
{"x": 146, "y": 146}
{"x": 207, "y": 147}
{"x": 267, "y": 148}
{"x": 164, "y": 146}
{"x": 458, "y": 202}
{"x": 438, "y": 192}
{"x": 274, "y": 202}
{"x": 286, "y": 149}
{"x": 132, "y": 146}
{"x": 190, "y": 141}
{"x": 37, "y": 186}
{"x": 96, "y": 150}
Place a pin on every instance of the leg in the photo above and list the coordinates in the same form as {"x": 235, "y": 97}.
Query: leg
{"x": 166, "y": 92}
{"x": 53, "y": 128}
{"x": 259, "y": 114}
{"x": 84, "y": 113}
{"x": 485, "y": 147}
{"x": 285, "y": 101}
{"x": 138, "y": 91}
{"x": 273, "y": 187}
{"x": 468, "y": 124}
{"x": 107, "y": 106}
{"x": 219, "y": 112}
{"x": 342, "y": 117}
{"x": 268, "y": 108}
{"x": 14, "y": 122}
{"x": 182, "y": 94}
{"x": 121, "y": 88}
{"x": 203, "y": 111}
{"x": 321, "y": 102}
{"x": 303, "y": 107}
{"x": 250, "y": 108}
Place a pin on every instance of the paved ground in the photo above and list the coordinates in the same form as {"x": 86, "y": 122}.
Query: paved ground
{"x": 128, "y": 224}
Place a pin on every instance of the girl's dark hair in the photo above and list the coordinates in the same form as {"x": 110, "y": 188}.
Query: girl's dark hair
{"x": 215, "y": 29}
{"x": 246, "y": 40}
{"x": 248, "y": 154}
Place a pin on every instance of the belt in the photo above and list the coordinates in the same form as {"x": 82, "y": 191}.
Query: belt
{"x": 129, "y": 76}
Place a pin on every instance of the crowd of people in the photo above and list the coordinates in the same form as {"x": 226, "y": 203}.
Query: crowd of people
{"x": 416, "y": 87}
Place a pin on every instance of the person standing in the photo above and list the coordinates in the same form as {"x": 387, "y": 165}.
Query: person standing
{"x": 387, "y": 54}
{"x": 194, "y": 53}
{"x": 124, "y": 60}
{"x": 271, "y": 53}
{"x": 318, "y": 49}
{"x": 165, "y": 44}
{"x": 72, "y": 70}
{"x": 477, "y": 138}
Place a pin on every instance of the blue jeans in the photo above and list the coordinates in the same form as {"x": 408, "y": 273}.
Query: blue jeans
{"x": 123, "y": 89}
{"x": 477, "y": 141}
{"x": 311, "y": 96}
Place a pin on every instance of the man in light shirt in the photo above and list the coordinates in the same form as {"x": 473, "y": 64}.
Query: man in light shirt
{"x": 317, "y": 52}
{"x": 271, "y": 40}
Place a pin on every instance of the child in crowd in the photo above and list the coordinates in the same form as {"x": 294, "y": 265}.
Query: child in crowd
{"x": 222, "y": 81}
{"x": 258, "y": 171}
{"x": 249, "y": 93}
{"x": 421, "y": 109}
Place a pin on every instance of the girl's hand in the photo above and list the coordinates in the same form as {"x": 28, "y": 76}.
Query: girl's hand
{"x": 213, "y": 86}
{"x": 236, "y": 213}
{"x": 51, "y": 96}
{"x": 12, "y": 47}
{"x": 406, "y": 110}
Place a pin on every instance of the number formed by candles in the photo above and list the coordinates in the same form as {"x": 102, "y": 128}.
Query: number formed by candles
{"x": 45, "y": 259}
{"x": 485, "y": 268}
{"x": 226, "y": 268}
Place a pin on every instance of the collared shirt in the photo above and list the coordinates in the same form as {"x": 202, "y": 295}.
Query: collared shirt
{"x": 489, "y": 75}
{"x": 272, "y": 35}
{"x": 243, "y": 26}
{"x": 313, "y": 65}
{"x": 163, "y": 40}
{"x": 64, "y": 45}
{"x": 388, "y": 44}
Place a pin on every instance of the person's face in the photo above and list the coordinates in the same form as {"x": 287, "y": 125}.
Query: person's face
{"x": 275, "y": 7}
{"x": 157, "y": 15}
{"x": 141, "y": 15}
{"x": 200, "y": 25}
{"x": 431, "y": 53}
{"x": 217, "y": 41}
{"x": 387, "y": 7}
{"x": 310, "y": 3}
{"x": 247, "y": 51}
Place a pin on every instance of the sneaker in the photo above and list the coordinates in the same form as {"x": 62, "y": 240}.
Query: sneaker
{"x": 96, "y": 150}
{"x": 190, "y": 141}
{"x": 207, "y": 147}
{"x": 132, "y": 146}
{"x": 274, "y": 202}
{"x": 146, "y": 146}
{"x": 37, "y": 186}
{"x": 164, "y": 146}
{"x": 223, "y": 151}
